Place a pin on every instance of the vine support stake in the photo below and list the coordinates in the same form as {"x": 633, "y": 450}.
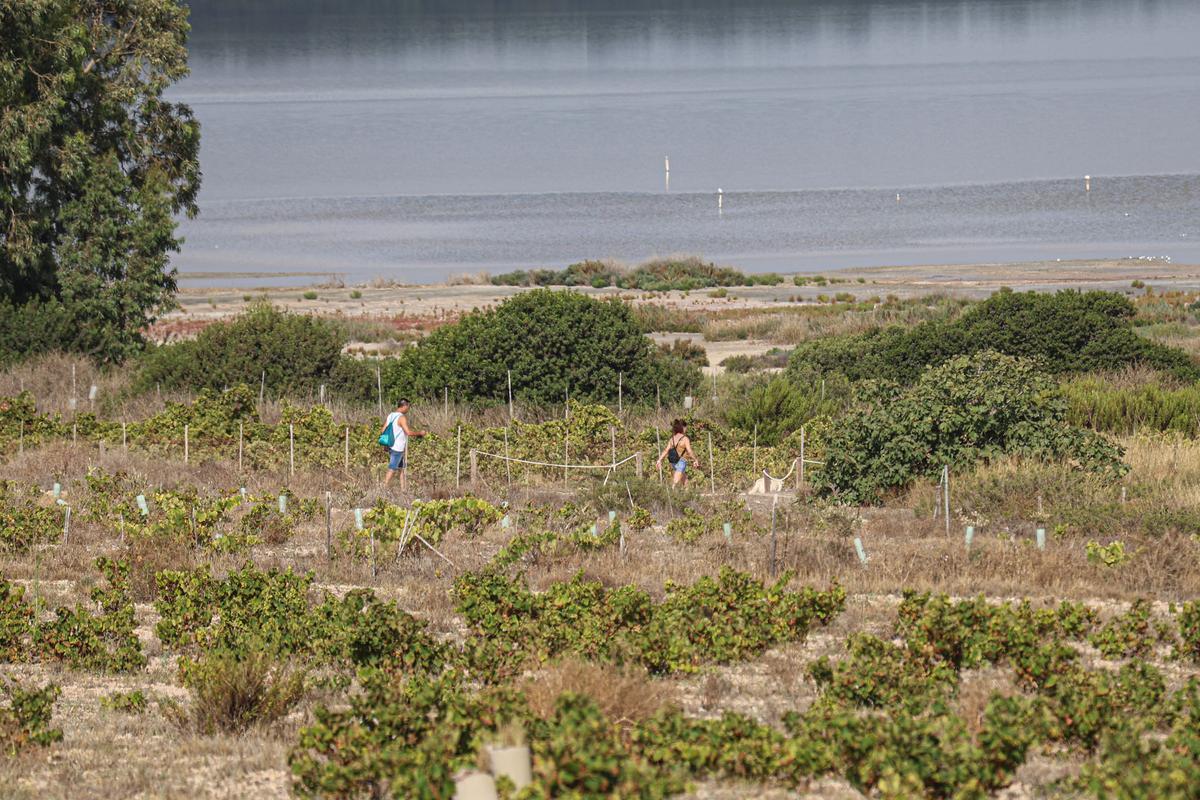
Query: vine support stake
{"x": 186, "y": 443}
{"x": 566, "y": 453}
{"x": 712, "y": 475}
{"x": 291, "y": 449}
{"x": 346, "y": 449}
{"x": 379, "y": 389}
{"x": 946, "y": 495}
{"x": 66, "y": 523}
{"x": 262, "y": 388}
{"x": 658, "y": 450}
{"x": 241, "y": 438}
{"x": 474, "y": 468}
{"x": 803, "y": 436}
{"x": 510, "y": 403}
{"x": 774, "y": 538}
{"x": 612, "y": 434}
{"x": 75, "y": 434}
{"x": 446, "y": 400}
{"x": 507, "y": 462}
{"x": 620, "y": 392}
{"x": 328, "y": 526}
{"x": 638, "y": 468}
{"x": 124, "y": 438}
{"x": 458, "y": 461}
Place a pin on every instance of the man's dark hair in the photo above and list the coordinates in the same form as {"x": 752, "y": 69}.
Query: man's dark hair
{"x": 403, "y": 402}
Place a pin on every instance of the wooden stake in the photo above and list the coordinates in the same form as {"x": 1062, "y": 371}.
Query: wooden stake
{"x": 328, "y": 525}
{"x": 446, "y": 400}
{"x": 379, "y": 389}
{"x": 474, "y": 468}
{"x": 620, "y": 392}
{"x": 291, "y": 449}
{"x": 458, "y": 461}
{"x": 756, "y": 450}
{"x": 241, "y": 435}
{"x": 124, "y": 440}
{"x": 946, "y": 491}
{"x": 612, "y": 432}
{"x": 507, "y": 463}
{"x": 658, "y": 452}
{"x": 712, "y": 475}
{"x": 637, "y": 464}
{"x": 803, "y": 429}
{"x": 510, "y": 403}
{"x": 346, "y": 450}
{"x": 186, "y": 444}
{"x": 262, "y": 388}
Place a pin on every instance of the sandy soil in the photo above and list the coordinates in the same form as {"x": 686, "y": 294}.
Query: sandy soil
{"x": 438, "y": 300}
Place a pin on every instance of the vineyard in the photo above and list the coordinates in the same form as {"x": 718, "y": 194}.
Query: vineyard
{"x": 981, "y": 582}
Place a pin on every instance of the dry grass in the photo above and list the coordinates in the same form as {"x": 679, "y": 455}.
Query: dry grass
{"x": 626, "y": 694}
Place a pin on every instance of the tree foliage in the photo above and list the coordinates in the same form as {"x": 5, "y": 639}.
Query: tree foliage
{"x": 969, "y": 409}
{"x": 1069, "y": 332}
{"x": 555, "y": 343}
{"x": 295, "y": 352}
{"x": 94, "y": 164}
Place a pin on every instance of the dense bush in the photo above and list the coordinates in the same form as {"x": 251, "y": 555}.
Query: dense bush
{"x": 964, "y": 411}
{"x": 1068, "y": 331}
{"x": 297, "y": 352}
{"x": 553, "y": 342}
{"x": 660, "y": 275}
{"x": 37, "y": 327}
{"x": 25, "y": 720}
{"x": 777, "y": 408}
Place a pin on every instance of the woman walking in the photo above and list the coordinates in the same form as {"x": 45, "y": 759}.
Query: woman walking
{"x": 678, "y": 453}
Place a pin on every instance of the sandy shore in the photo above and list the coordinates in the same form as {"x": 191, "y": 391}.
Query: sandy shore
{"x": 440, "y": 300}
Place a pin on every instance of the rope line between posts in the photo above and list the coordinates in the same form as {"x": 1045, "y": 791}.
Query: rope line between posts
{"x": 557, "y": 466}
{"x": 792, "y": 471}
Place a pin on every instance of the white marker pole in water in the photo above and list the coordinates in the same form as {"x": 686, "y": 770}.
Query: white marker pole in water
{"x": 1087, "y": 183}
{"x": 720, "y": 200}
{"x": 667, "y": 172}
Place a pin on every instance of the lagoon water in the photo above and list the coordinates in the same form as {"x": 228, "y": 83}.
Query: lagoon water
{"x": 412, "y": 140}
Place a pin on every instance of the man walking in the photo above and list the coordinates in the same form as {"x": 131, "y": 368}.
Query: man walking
{"x": 397, "y": 426}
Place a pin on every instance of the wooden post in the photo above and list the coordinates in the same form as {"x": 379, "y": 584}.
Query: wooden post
{"x": 620, "y": 392}
{"x": 75, "y": 435}
{"x": 566, "y": 454}
{"x": 346, "y": 450}
{"x": 510, "y": 403}
{"x": 379, "y": 389}
{"x": 446, "y": 400}
{"x": 328, "y": 525}
{"x": 612, "y": 432}
{"x": 803, "y": 430}
{"x": 66, "y": 521}
{"x": 124, "y": 439}
{"x": 946, "y": 491}
{"x": 658, "y": 398}
{"x": 185, "y": 443}
{"x": 241, "y": 434}
{"x": 291, "y": 449}
{"x": 637, "y": 464}
{"x": 658, "y": 452}
{"x": 458, "y": 460}
{"x": 262, "y": 388}
{"x": 507, "y": 463}
{"x": 474, "y": 467}
{"x": 774, "y": 539}
{"x": 712, "y": 475}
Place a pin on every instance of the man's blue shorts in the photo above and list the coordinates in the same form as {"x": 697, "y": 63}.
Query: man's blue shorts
{"x": 398, "y": 460}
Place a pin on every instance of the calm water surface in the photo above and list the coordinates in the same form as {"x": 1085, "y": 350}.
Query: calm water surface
{"x": 413, "y": 140}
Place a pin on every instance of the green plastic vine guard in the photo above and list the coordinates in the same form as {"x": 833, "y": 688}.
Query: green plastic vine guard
{"x": 858, "y": 548}
{"x": 970, "y": 536}
{"x": 505, "y": 522}
{"x": 242, "y": 492}
{"x": 57, "y": 490}
{"x": 283, "y": 504}
{"x": 141, "y": 504}
{"x": 612, "y": 515}
{"x": 358, "y": 521}
{"x": 728, "y": 528}
{"x": 1041, "y": 538}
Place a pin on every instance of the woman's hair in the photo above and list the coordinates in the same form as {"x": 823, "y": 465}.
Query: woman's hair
{"x": 677, "y": 426}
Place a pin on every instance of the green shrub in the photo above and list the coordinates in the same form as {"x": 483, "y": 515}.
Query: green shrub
{"x": 297, "y": 353}
{"x": 310, "y": 295}
{"x": 686, "y": 350}
{"x": 967, "y": 410}
{"x": 25, "y": 720}
{"x": 1189, "y": 632}
{"x": 1096, "y": 403}
{"x": 778, "y": 408}
{"x": 553, "y": 343}
{"x": 356, "y": 295}
{"x": 104, "y": 641}
{"x": 132, "y": 702}
{"x": 1069, "y": 332}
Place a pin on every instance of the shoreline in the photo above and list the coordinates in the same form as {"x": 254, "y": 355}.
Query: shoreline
{"x": 972, "y": 281}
